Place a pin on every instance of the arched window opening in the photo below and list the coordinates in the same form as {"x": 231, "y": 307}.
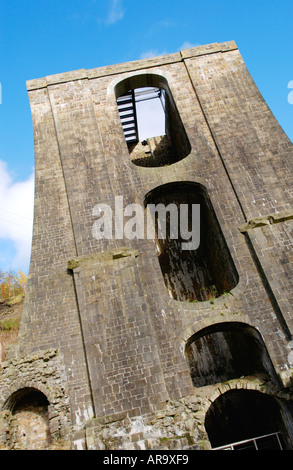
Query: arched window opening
{"x": 197, "y": 274}
{"x": 29, "y": 407}
{"x": 152, "y": 127}
{"x": 227, "y": 351}
{"x": 246, "y": 420}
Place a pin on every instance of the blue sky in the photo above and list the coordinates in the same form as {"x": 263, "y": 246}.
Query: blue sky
{"x": 45, "y": 37}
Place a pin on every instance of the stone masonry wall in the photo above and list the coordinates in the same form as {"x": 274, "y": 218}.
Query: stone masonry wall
{"x": 108, "y": 313}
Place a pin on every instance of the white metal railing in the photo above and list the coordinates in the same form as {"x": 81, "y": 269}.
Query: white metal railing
{"x": 251, "y": 444}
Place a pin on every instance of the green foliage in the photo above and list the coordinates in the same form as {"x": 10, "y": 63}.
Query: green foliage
{"x": 207, "y": 293}
{"x": 9, "y": 324}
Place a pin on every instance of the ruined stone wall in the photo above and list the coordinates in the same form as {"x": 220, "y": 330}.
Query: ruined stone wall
{"x": 121, "y": 336}
{"x": 33, "y": 425}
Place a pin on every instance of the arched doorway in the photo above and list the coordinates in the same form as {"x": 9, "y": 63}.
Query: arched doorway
{"x": 247, "y": 420}
{"x": 29, "y": 408}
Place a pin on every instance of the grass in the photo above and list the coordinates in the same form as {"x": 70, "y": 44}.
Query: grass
{"x": 8, "y": 335}
{"x": 8, "y": 325}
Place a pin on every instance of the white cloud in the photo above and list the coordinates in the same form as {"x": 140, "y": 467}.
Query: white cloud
{"x": 155, "y": 52}
{"x": 187, "y": 45}
{"x": 151, "y": 53}
{"x": 16, "y": 219}
{"x": 116, "y": 12}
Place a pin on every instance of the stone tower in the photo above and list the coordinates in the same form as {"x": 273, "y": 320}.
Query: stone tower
{"x": 134, "y": 342}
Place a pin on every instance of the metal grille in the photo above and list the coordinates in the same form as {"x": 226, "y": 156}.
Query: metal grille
{"x": 266, "y": 442}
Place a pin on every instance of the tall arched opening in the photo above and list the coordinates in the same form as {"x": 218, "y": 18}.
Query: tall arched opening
{"x": 150, "y": 120}
{"x": 226, "y": 351}
{"x": 201, "y": 272}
